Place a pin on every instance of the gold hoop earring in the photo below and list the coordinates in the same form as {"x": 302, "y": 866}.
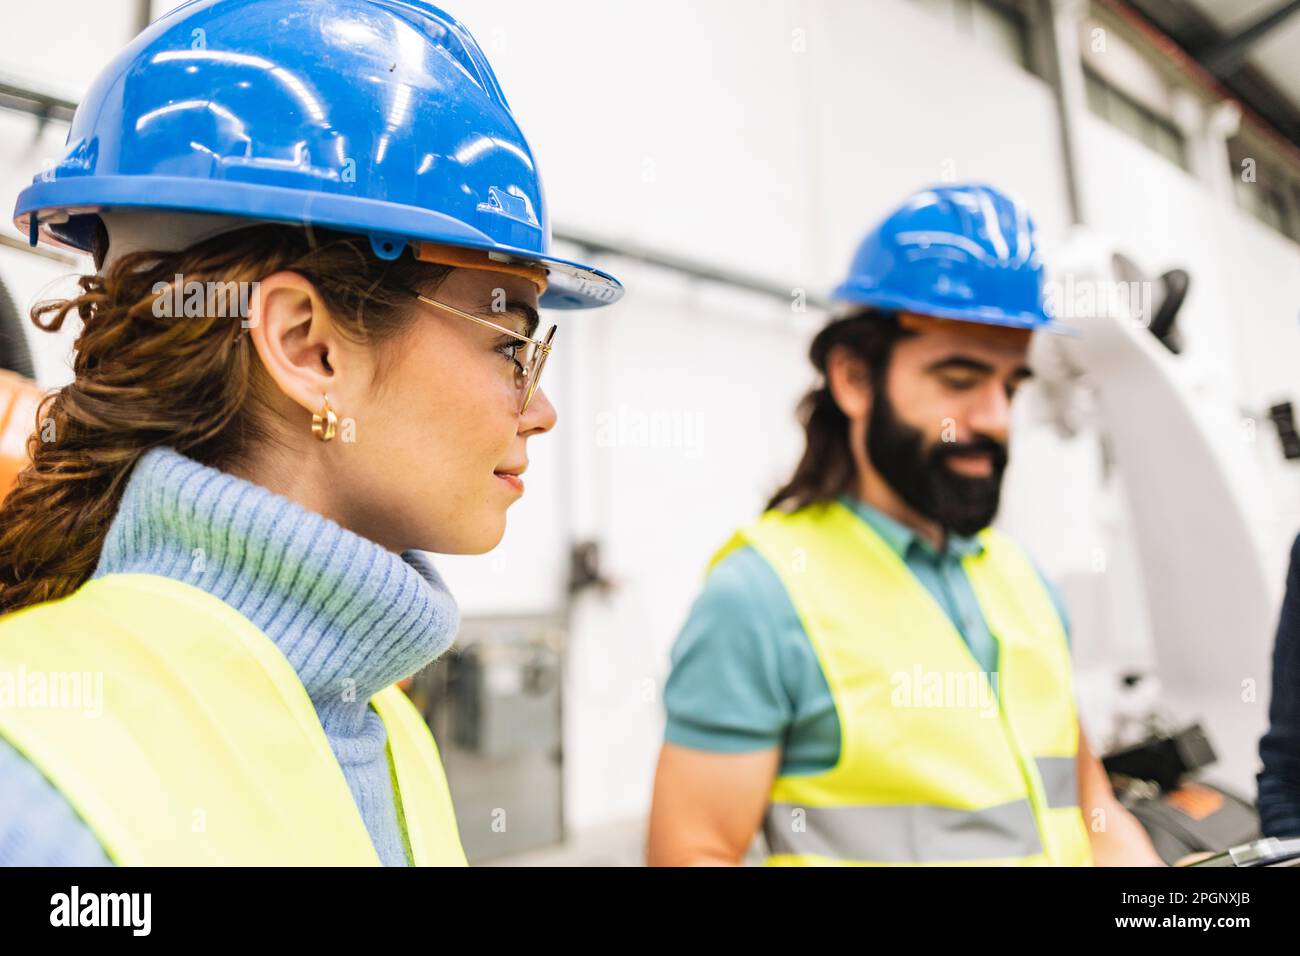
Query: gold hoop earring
{"x": 325, "y": 422}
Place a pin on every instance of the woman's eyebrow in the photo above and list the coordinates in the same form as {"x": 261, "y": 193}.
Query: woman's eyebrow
{"x": 525, "y": 311}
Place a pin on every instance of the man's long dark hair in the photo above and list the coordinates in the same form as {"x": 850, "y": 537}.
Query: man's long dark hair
{"x": 826, "y": 469}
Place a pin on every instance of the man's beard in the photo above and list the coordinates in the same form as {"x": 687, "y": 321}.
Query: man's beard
{"x": 963, "y": 504}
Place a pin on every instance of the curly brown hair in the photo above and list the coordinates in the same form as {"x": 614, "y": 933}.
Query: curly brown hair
{"x": 193, "y": 383}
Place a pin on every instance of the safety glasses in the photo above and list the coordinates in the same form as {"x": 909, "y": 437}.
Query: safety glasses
{"x": 528, "y": 368}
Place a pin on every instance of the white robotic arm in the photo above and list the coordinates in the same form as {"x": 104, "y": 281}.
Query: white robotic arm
{"x": 1195, "y": 497}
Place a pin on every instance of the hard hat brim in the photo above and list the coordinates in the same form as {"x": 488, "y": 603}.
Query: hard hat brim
{"x": 57, "y": 203}
{"x": 986, "y": 315}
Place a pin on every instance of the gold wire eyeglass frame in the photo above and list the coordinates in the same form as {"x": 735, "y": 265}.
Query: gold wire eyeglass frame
{"x": 529, "y": 372}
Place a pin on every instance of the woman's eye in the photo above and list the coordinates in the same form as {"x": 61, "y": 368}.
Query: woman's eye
{"x": 511, "y": 351}
{"x": 958, "y": 384}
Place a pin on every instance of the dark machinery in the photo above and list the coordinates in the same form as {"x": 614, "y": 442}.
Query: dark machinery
{"x": 1155, "y": 781}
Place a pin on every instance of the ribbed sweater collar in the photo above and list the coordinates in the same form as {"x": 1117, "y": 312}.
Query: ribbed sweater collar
{"x": 351, "y": 616}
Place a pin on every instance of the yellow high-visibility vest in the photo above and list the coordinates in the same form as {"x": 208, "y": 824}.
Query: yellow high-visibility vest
{"x": 201, "y": 746}
{"x": 934, "y": 768}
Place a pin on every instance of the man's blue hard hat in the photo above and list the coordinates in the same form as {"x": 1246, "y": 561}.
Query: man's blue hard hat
{"x": 377, "y": 117}
{"x": 962, "y": 251}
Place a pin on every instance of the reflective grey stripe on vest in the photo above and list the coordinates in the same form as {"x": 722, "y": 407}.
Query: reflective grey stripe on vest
{"x": 1060, "y": 782}
{"x": 910, "y": 833}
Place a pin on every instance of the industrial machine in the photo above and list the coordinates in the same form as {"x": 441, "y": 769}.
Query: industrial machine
{"x": 1193, "y": 510}
{"x": 493, "y": 703}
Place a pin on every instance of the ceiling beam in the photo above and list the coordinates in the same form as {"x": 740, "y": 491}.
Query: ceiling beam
{"x": 1227, "y": 57}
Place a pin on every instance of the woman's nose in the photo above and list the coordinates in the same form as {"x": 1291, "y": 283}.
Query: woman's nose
{"x": 539, "y": 417}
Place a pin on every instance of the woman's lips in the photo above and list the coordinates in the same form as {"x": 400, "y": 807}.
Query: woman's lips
{"x": 514, "y": 481}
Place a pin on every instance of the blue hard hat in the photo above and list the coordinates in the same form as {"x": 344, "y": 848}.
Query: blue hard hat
{"x": 964, "y": 251}
{"x": 377, "y": 117}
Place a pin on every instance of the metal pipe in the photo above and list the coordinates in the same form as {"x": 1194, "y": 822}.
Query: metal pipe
{"x": 687, "y": 267}
{"x": 143, "y": 14}
{"x": 1057, "y": 53}
{"x": 45, "y": 252}
{"x": 44, "y": 105}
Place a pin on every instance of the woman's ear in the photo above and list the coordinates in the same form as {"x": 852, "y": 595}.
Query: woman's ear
{"x": 848, "y": 381}
{"x": 299, "y": 347}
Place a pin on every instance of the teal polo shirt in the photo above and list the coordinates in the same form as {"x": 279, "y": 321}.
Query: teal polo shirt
{"x": 745, "y": 675}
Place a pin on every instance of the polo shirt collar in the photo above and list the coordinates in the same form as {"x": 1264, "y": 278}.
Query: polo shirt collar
{"x": 902, "y": 539}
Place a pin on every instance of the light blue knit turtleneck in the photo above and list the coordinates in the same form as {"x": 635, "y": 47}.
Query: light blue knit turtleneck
{"x": 351, "y": 617}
